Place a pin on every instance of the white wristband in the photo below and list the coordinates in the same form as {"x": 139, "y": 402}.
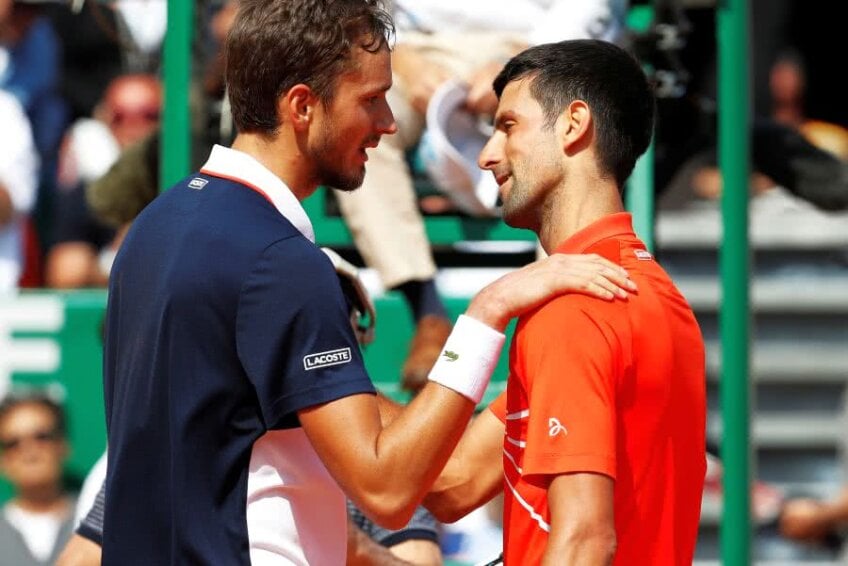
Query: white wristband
{"x": 468, "y": 358}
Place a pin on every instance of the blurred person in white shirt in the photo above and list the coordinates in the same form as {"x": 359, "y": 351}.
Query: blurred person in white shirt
{"x": 37, "y": 521}
{"x": 18, "y": 187}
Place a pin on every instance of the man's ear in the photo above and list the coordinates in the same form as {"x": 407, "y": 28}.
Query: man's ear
{"x": 576, "y": 128}
{"x": 297, "y": 106}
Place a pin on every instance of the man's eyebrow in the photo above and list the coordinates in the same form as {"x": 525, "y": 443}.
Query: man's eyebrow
{"x": 379, "y": 89}
{"x": 503, "y": 117}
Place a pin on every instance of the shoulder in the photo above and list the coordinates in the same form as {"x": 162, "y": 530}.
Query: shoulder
{"x": 295, "y": 254}
{"x": 571, "y": 310}
{"x": 573, "y": 322}
{"x": 295, "y": 267}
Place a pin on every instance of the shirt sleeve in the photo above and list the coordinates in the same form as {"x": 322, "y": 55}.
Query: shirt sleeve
{"x": 91, "y": 526}
{"x": 572, "y": 360}
{"x": 294, "y": 334}
{"x": 498, "y": 407}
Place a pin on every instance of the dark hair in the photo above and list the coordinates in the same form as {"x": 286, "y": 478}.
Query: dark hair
{"x": 13, "y": 401}
{"x": 276, "y": 44}
{"x": 604, "y": 76}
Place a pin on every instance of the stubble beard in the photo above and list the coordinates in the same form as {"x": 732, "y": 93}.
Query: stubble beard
{"x": 329, "y": 168}
{"x": 518, "y": 209}
{"x": 340, "y": 180}
{"x": 532, "y": 185}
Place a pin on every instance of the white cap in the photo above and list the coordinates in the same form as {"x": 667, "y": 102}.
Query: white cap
{"x": 449, "y": 149}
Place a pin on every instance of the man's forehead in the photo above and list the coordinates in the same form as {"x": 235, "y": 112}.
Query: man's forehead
{"x": 516, "y": 97}
{"x": 369, "y": 69}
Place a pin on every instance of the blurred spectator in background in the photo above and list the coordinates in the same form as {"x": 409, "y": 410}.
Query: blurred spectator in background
{"x": 788, "y": 88}
{"x": 219, "y": 24}
{"x": 788, "y": 149}
{"x": 38, "y": 519}
{"x": 131, "y": 183}
{"x": 91, "y": 53}
{"x": 30, "y": 71}
{"x": 137, "y": 27}
{"x": 815, "y": 521}
{"x": 18, "y": 179}
{"x": 83, "y": 248}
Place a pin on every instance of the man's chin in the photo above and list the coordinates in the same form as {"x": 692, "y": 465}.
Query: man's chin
{"x": 348, "y": 187}
{"x": 514, "y": 219}
{"x": 345, "y": 183}
{"x": 510, "y": 218}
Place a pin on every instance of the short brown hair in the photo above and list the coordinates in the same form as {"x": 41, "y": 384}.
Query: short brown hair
{"x": 276, "y": 44}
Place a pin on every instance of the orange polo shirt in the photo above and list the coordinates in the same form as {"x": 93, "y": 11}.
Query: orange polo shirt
{"x": 615, "y": 388}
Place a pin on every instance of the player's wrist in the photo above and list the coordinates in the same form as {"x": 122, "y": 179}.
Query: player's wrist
{"x": 488, "y": 309}
{"x": 468, "y": 358}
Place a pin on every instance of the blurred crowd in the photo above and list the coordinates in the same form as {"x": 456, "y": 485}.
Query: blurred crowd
{"x": 81, "y": 101}
{"x": 80, "y": 84}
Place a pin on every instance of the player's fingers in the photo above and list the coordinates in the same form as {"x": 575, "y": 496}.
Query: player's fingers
{"x": 595, "y": 288}
{"x": 606, "y": 268}
{"x": 585, "y": 284}
{"x": 607, "y": 281}
{"x": 607, "y": 275}
{"x": 593, "y": 261}
{"x": 605, "y": 263}
{"x": 619, "y": 278}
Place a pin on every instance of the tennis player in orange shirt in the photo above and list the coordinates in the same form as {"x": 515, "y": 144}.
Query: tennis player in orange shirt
{"x": 601, "y": 431}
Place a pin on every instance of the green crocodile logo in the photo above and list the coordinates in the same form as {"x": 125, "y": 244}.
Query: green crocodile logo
{"x": 451, "y": 356}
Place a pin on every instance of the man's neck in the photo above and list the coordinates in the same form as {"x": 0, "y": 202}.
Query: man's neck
{"x": 567, "y": 214}
{"x": 282, "y": 157}
{"x": 46, "y": 500}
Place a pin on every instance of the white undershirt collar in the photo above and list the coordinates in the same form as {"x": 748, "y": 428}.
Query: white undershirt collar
{"x": 240, "y": 167}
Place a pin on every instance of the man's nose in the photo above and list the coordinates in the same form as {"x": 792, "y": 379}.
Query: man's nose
{"x": 387, "y": 124}
{"x": 490, "y": 155}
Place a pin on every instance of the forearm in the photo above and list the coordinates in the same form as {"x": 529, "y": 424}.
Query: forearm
{"x": 582, "y": 520}
{"x": 581, "y": 549}
{"x": 387, "y": 470}
{"x": 458, "y": 491}
{"x": 430, "y": 427}
{"x": 413, "y": 449}
{"x": 79, "y": 551}
{"x": 474, "y": 473}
